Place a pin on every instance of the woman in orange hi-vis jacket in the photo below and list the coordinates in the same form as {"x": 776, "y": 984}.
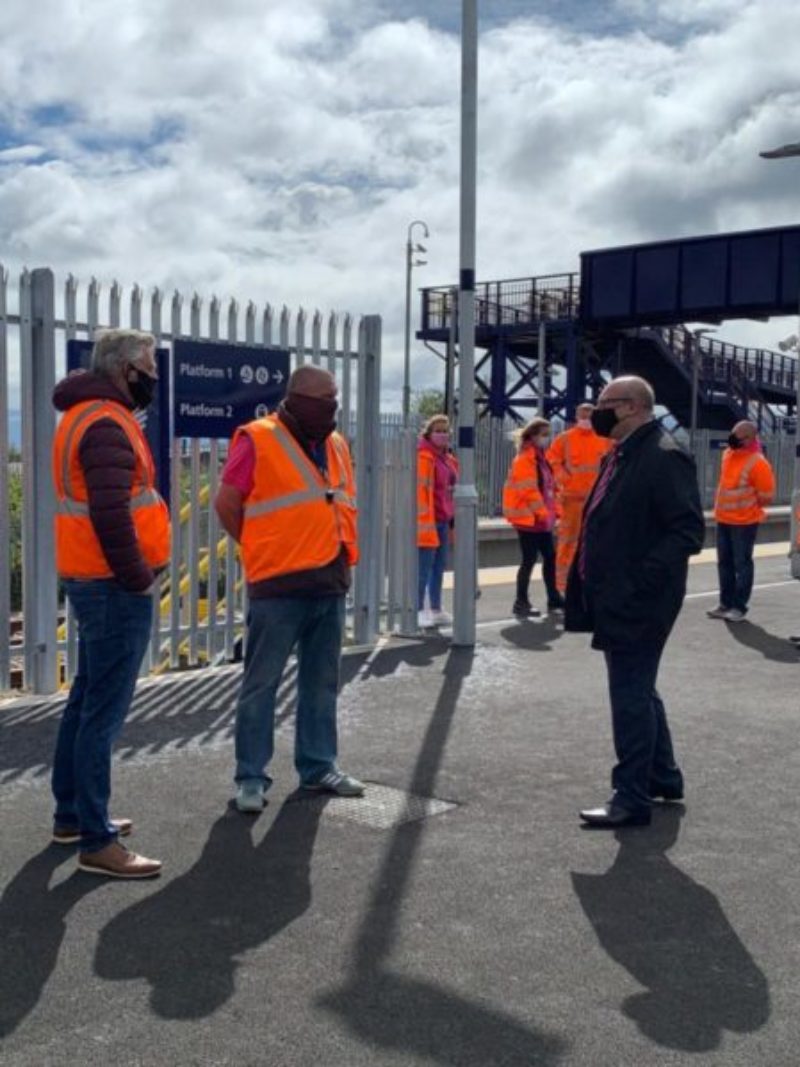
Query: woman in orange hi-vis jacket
{"x": 575, "y": 457}
{"x": 746, "y": 485}
{"x": 529, "y": 504}
{"x": 437, "y": 474}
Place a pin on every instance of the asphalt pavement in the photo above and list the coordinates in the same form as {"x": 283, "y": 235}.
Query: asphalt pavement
{"x": 457, "y": 915}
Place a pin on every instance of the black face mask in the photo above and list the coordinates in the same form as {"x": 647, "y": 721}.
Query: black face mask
{"x": 315, "y": 415}
{"x": 734, "y": 441}
{"x": 143, "y": 389}
{"x": 603, "y": 421}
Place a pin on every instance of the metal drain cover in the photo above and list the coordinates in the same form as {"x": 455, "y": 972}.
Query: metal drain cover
{"x": 381, "y": 807}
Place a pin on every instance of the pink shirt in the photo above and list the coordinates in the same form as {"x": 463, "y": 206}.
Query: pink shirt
{"x": 240, "y": 466}
{"x": 445, "y": 477}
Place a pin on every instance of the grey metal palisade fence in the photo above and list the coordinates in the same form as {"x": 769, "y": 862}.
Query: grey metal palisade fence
{"x": 203, "y": 602}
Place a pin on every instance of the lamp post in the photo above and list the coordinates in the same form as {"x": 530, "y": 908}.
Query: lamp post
{"x": 466, "y": 495}
{"x": 411, "y": 250}
{"x": 784, "y": 152}
{"x": 696, "y": 335}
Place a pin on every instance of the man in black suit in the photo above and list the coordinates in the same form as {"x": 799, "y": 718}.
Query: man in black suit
{"x": 642, "y": 521}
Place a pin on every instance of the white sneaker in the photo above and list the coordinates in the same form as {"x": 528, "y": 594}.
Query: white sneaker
{"x": 734, "y": 615}
{"x": 719, "y": 612}
{"x": 441, "y": 618}
{"x": 250, "y": 797}
{"x": 424, "y": 619}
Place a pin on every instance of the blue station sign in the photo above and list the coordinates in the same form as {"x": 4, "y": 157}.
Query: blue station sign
{"x": 218, "y": 386}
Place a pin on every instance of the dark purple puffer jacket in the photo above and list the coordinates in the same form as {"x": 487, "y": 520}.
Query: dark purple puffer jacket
{"x": 108, "y": 463}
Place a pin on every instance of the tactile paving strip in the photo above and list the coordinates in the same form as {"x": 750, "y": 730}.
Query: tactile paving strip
{"x": 381, "y": 807}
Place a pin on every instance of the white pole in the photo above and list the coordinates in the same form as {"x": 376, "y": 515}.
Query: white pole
{"x": 784, "y": 152}
{"x": 466, "y": 496}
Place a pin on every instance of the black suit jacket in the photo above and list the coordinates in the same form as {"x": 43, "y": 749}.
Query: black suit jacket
{"x": 638, "y": 542}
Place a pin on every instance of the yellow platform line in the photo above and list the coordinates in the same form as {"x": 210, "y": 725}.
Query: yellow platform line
{"x": 507, "y": 575}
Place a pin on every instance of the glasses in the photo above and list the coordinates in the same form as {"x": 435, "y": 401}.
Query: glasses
{"x": 610, "y": 401}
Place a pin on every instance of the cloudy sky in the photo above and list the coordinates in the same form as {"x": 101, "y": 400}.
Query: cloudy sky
{"x": 276, "y": 150}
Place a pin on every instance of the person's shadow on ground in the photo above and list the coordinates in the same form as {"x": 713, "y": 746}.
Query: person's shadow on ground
{"x": 534, "y": 635}
{"x": 33, "y": 920}
{"x": 186, "y": 939}
{"x": 387, "y": 1010}
{"x": 779, "y": 649}
{"x": 673, "y": 937}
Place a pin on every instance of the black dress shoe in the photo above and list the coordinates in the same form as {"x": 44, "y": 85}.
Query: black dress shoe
{"x": 614, "y": 816}
{"x": 523, "y": 610}
{"x": 672, "y": 794}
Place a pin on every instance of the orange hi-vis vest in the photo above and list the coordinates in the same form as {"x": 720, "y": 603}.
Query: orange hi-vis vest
{"x": 575, "y": 457}
{"x": 746, "y": 484}
{"x": 78, "y": 551}
{"x": 296, "y": 518}
{"x": 522, "y": 498}
{"x": 427, "y": 535}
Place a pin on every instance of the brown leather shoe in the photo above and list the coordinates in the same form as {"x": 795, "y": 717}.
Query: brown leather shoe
{"x": 115, "y": 861}
{"x": 63, "y": 835}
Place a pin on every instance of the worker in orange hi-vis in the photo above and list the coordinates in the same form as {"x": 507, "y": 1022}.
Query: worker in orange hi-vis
{"x": 575, "y": 458}
{"x": 746, "y": 486}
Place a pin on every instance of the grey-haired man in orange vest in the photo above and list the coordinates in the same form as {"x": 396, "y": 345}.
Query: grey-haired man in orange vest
{"x": 112, "y": 538}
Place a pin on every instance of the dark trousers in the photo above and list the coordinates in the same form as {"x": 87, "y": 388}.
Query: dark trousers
{"x": 533, "y": 544}
{"x": 642, "y": 741}
{"x": 735, "y": 563}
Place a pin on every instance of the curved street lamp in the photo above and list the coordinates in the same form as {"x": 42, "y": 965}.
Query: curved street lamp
{"x": 411, "y": 251}
{"x": 784, "y": 152}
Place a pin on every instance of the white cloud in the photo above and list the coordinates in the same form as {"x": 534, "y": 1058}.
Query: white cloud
{"x": 279, "y": 151}
{"x": 24, "y": 153}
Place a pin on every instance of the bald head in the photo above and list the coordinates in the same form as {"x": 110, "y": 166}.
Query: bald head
{"x": 312, "y": 381}
{"x": 636, "y": 390}
{"x": 745, "y": 430}
{"x": 632, "y": 400}
{"x": 584, "y": 411}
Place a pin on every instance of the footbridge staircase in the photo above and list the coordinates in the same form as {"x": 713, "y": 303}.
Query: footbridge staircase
{"x": 514, "y": 317}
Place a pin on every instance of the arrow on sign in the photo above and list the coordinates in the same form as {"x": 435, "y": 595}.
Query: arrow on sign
{"x": 278, "y": 377}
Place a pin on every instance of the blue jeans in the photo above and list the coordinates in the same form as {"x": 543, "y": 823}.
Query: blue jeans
{"x": 274, "y": 626}
{"x": 113, "y": 634}
{"x": 735, "y": 563}
{"x": 642, "y": 741}
{"x": 432, "y": 562}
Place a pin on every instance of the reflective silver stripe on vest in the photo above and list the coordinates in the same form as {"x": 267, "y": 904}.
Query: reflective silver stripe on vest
{"x": 67, "y": 505}
{"x": 144, "y": 499}
{"x": 66, "y": 480}
{"x": 288, "y": 500}
{"x": 313, "y": 491}
{"x": 742, "y": 494}
{"x": 580, "y": 468}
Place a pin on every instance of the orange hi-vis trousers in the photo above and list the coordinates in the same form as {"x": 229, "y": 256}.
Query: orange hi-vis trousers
{"x": 569, "y": 529}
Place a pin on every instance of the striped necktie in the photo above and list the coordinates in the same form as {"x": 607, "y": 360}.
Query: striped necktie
{"x": 600, "y": 491}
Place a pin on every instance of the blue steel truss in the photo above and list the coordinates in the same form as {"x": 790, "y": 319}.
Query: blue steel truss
{"x": 734, "y": 382}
